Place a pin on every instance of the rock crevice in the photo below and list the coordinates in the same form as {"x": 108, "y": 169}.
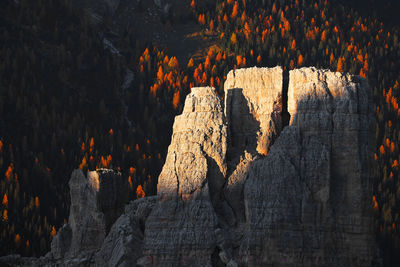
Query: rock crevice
{"x": 297, "y": 195}
{"x": 278, "y": 175}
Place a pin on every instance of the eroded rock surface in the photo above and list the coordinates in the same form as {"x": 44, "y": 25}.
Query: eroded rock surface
{"x": 253, "y": 107}
{"x": 236, "y": 189}
{"x": 307, "y": 202}
{"x": 97, "y": 200}
{"x": 123, "y": 244}
{"x": 198, "y": 145}
{"x": 180, "y": 228}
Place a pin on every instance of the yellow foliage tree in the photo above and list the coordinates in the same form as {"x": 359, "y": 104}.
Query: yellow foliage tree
{"x": 247, "y": 30}
{"x": 91, "y": 145}
{"x": 382, "y": 150}
{"x": 83, "y": 163}
{"x": 160, "y": 74}
{"x": 233, "y": 39}
{"x": 9, "y": 171}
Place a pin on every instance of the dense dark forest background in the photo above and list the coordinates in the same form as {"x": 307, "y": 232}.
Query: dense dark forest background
{"x": 69, "y": 101}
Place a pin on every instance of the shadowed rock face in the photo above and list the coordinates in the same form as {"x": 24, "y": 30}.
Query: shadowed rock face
{"x": 237, "y": 189}
{"x": 97, "y": 200}
{"x": 307, "y": 202}
{"x": 253, "y": 106}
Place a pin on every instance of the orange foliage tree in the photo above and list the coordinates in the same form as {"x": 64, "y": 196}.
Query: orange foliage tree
{"x": 235, "y": 10}
{"x": 340, "y": 64}
{"x": 176, "y": 99}
{"x": 139, "y": 192}
{"x": 37, "y": 202}
{"x": 300, "y": 60}
{"x": 53, "y": 232}
{"x": 5, "y": 200}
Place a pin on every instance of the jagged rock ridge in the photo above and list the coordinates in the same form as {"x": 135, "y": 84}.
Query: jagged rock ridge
{"x": 238, "y": 190}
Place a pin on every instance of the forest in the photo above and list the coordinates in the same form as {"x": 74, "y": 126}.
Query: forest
{"x": 66, "y": 102}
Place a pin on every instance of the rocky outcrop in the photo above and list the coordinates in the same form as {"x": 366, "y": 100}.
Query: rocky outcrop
{"x": 307, "y": 202}
{"x": 253, "y": 107}
{"x": 198, "y": 146}
{"x": 180, "y": 228}
{"x": 97, "y": 200}
{"x": 237, "y": 189}
{"x": 298, "y": 197}
{"x": 123, "y": 244}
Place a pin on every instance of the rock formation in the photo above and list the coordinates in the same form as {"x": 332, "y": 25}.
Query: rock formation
{"x": 96, "y": 202}
{"x": 198, "y": 146}
{"x": 180, "y": 229}
{"x": 253, "y": 106}
{"x": 237, "y": 189}
{"x": 123, "y": 245}
{"x": 308, "y": 201}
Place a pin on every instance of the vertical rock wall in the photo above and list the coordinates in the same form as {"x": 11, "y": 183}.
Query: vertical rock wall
{"x": 308, "y": 201}
{"x": 236, "y": 189}
{"x": 296, "y": 197}
{"x": 180, "y": 228}
{"x": 253, "y": 107}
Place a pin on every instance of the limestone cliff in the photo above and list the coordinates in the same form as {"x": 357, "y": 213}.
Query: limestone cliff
{"x": 253, "y": 107}
{"x": 308, "y": 201}
{"x": 296, "y": 197}
{"x": 180, "y": 229}
{"x": 240, "y": 188}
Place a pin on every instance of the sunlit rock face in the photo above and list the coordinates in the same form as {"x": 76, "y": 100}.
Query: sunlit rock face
{"x": 308, "y": 201}
{"x": 293, "y": 196}
{"x": 198, "y": 144}
{"x": 180, "y": 229}
{"x": 237, "y": 189}
{"x": 253, "y": 106}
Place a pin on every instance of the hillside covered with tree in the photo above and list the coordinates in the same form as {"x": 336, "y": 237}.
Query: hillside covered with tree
{"x": 67, "y": 102}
